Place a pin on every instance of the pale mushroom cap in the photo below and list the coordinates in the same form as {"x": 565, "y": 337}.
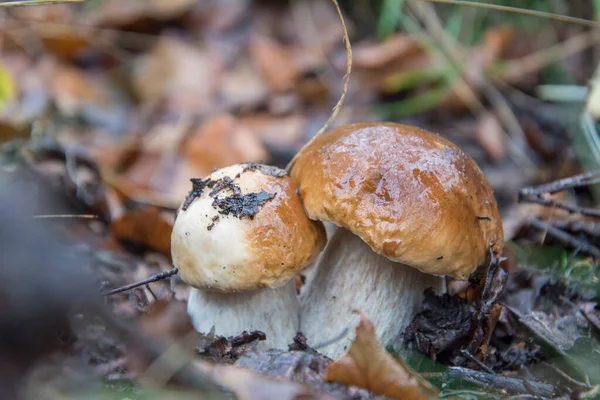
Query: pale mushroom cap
{"x": 411, "y": 195}
{"x": 255, "y": 238}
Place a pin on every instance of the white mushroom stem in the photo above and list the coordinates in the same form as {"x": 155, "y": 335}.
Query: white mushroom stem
{"x": 274, "y": 312}
{"x": 348, "y": 276}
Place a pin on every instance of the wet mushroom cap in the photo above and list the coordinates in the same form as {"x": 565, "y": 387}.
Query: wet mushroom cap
{"x": 411, "y": 195}
{"x": 243, "y": 228}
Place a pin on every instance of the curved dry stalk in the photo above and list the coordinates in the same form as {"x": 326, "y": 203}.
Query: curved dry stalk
{"x": 524, "y": 11}
{"x": 337, "y": 107}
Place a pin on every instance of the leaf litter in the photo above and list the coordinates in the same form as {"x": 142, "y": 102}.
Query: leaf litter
{"x": 117, "y": 114}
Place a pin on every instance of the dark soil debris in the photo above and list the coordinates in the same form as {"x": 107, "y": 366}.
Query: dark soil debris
{"x": 228, "y": 350}
{"x": 223, "y": 184}
{"x": 198, "y": 186}
{"x": 215, "y": 219}
{"x": 445, "y": 323}
{"x": 241, "y": 206}
{"x": 264, "y": 169}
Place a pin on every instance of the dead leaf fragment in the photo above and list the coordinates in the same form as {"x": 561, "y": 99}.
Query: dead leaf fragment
{"x": 148, "y": 227}
{"x": 368, "y": 365}
{"x": 275, "y": 63}
{"x": 71, "y": 89}
{"x": 490, "y": 135}
{"x": 223, "y": 141}
{"x": 187, "y": 77}
{"x": 397, "y": 49}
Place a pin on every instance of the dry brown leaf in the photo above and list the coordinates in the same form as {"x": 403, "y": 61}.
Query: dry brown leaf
{"x": 120, "y": 14}
{"x": 275, "y": 63}
{"x": 396, "y": 49}
{"x": 251, "y": 386}
{"x": 370, "y": 366}
{"x": 148, "y": 227}
{"x": 71, "y": 89}
{"x": 242, "y": 86}
{"x": 490, "y": 136}
{"x": 223, "y": 141}
{"x": 186, "y": 77}
{"x": 278, "y": 132}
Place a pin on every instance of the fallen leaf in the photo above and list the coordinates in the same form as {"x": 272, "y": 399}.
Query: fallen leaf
{"x": 396, "y": 49}
{"x": 72, "y": 89}
{"x": 368, "y": 365}
{"x": 243, "y": 87}
{"x": 223, "y": 141}
{"x": 186, "y": 77}
{"x": 134, "y": 14}
{"x": 443, "y": 324}
{"x": 148, "y": 227}
{"x": 287, "y": 133}
{"x": 166, "y": 319}
{"x": 490, "y": 135}
{"x": 275, "y": 63}
{"x": 251, "y": 386}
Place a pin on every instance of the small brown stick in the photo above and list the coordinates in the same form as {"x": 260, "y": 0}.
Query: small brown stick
{"x": 154, "y": 278}
{"x": 592, "y": 212}
{"x": 502, "y": 383}
{"x": 565, "y": 237}
{"x": 589, "y": 178}
{"x": 66, "y": 216}
{"x": 247, "y": 337}
{"x": 477, "y": 362}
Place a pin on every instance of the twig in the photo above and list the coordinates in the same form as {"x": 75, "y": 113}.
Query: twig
{"x": 524, "y": 11}
{"x": 592, "y": 212}
{"x": 153, "y": 278}
{"x": 502, "y": 383}
{"x": 565, "y": 237}
{"x": 477, "y": 362}
{"x": 60, "y": 216}
{"x": 338, "y": 106}
{"x": 559, "y": 51}
{"x": 589, "y": 178}
{"x": 14, "y": 3}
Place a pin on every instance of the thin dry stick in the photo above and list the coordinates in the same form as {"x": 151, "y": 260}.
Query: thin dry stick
{"x": 524, "y": 11}
{"x": 153, "y": 278}
{"x": 337, "y": 107}
{"x": 66, "y": 216}
{"x": 538, "y": 60}
{"x": 591, "y": 212}
{"x": 14, "y": 3}
{"x": 586, "y": 179}
{"x": 564, "y": 237}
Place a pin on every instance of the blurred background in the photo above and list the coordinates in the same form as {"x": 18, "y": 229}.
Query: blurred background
{"x": 109, "y": 107}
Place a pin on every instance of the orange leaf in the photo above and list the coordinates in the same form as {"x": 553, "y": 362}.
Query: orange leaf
{"x": 147, "y": 227}
{"x": 369, "y": 366}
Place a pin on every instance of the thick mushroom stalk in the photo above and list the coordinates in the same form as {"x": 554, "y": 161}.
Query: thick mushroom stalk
{"x": 348, "y": 276}
{"x": 275, "y": 312}
{"x": 239, "y": 239}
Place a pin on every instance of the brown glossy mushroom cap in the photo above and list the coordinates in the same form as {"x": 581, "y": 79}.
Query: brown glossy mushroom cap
{"x": 244, "y": 228}
{"x": 411, "y": 195}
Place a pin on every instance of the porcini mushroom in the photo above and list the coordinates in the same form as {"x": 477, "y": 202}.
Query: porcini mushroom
{"x": 238, "y": 239}
{"x": 411, "y": 207}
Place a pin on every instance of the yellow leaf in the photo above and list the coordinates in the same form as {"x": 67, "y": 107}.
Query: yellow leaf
{"x": 369, "y": 366}
{"x": 7, "y": 87}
